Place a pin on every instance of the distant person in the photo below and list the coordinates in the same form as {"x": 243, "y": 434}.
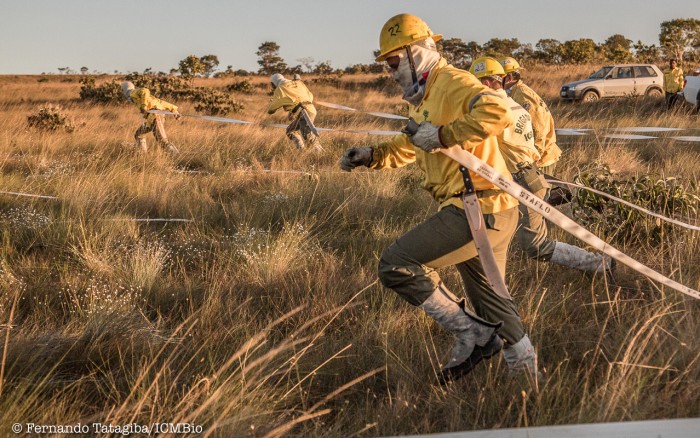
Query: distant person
{"x": 517, "y": 144}
{"x": 673, "y": 83}
{"x": 294, "y": 97}
{"x": 296, "y": 77}
{"x": 144, "y": 101}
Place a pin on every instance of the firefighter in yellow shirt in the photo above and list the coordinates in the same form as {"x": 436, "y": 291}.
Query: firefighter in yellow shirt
{"x": 532, "y": 235}
{"x": 673, "y": 83}
{"x": 294, "y": 97}
{"x": 542, "y": 120}
{"x": 154, "y": 123}
{"x": 453, "y": 108}
{"x": 518, "y": 148}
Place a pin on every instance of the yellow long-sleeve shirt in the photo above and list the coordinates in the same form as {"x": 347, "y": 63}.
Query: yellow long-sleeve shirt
{"x": 144, "y": 101}
{"x": 673, "y": 80}
{"x": 517, "y": 142}
{"x": 542, "y": 123}
{"x": 472, "y": 116}
{"x": 289, "y": 94}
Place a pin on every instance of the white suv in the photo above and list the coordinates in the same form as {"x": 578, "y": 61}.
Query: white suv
{"x": 616, "y": 81}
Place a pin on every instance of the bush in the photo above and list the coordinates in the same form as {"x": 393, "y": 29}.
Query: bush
{"x": 663, "y": 195}
{"x": 214, "y": 103}
{"x": 109, "y": 92}
{"x": 240, "y": 87}
{"x": 207, "y": 100}
{"x": 50, "y": 118}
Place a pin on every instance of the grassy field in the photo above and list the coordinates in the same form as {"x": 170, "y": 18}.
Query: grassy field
{"x": 263, "y": 317}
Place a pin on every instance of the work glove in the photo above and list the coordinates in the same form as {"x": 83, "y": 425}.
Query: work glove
{"x": 426, "y": 136}
{"x": 355, "y": 157}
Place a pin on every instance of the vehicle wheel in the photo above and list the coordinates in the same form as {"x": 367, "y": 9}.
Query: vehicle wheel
{"x": 654, "y": 92}
{"x": 590, "y": 96}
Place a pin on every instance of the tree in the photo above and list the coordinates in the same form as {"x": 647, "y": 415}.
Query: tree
{"x": 646, "y": 54}
{"x": 210, "y": 62}
{"x": 617, "y": 48}
{"x": 323, "y": 68}
{"x": 548, "y": 50}
{"x": 456, "y": 52}
{"x": 579, "y": 51}
{"x": 501, "y": 46}
{"x": 681, "y": 37}
{"x": 190, "y": 67}
{"x": 84, "y": 70}
{"x": 308, "y": 63}
{"x": 269, "y": 59}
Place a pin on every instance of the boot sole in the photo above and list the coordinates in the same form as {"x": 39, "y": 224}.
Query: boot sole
{"x": 492, "y": 347}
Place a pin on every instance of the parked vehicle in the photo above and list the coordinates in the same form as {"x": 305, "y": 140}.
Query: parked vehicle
{"x": 691, "y": 92}
{"x": 616, "y": 81}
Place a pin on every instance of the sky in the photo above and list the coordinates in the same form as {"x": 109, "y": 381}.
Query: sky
{"x": 40, "y": 35}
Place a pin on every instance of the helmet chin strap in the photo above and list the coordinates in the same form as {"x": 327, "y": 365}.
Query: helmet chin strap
{"x": 412, "y": 63}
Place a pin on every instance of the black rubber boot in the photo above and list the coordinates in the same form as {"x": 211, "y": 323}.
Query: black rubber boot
{"x": 492, "y": 347}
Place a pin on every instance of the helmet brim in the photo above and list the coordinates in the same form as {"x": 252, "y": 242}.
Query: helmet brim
{"x": 382, "y": 56}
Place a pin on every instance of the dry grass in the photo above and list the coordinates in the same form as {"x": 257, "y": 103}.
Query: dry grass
{"x": 262, "y": 316}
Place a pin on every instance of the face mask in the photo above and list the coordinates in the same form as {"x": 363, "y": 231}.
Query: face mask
{"x": 424, "y": 60}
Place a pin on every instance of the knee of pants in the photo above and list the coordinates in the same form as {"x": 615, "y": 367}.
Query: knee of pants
{"x": 409, "y": 278}
{"x": 530, "y": 245}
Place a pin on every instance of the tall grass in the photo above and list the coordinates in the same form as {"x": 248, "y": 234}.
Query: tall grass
{"x": 263, "y": 317}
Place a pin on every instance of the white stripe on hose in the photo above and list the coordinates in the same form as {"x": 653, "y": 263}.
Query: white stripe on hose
{"x": 275, "y": 125}
{"x": 622, "y": 201}
{"x": 553, "y": 215}
{"x": 28, "y": 195}
{"x": 347, "y": 108}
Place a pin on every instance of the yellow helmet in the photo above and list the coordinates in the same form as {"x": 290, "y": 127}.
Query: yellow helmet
{"x": 486, "y": 66}
{"x": 509, "y": 64}
{"x": 402, "y": 30}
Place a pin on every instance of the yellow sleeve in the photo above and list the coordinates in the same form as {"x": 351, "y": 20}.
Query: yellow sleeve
{"x": 278, "y": 101}
{"x": 484, "y": 114}
{"x": 143, "y": 98}
{"x": 395, "y": 153}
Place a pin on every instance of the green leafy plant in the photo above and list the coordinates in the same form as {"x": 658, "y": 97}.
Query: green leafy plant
{"x": 663, "y": 195}
{"x": 51, "y": 118}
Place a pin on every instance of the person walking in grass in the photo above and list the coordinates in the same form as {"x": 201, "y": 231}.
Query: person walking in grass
{"x": 153, "y": 123}
{"x": 673, "y": 83}
{"x": 532, "y": 231}
{"x": 454, "y": 109}
{"x": 293, "y": 96}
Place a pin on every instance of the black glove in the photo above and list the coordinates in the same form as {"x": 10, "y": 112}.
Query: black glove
{"x": 355, "y": 157}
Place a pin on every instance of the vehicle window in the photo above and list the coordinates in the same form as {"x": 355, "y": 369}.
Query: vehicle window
{"x": 622, "y": 73}
{"x": 600, "y": 74}
{"x": 644, "y": 71}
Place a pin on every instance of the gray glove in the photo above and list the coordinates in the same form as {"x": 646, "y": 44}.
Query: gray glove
{"x": 427, "y": 137}
{"x": 355, "y": 157}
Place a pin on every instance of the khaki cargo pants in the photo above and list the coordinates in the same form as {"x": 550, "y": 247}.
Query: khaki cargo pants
{"x": 299, "y": 127}
{"x": 532, "y": 234}
{"x": 408, "y": 266}
{"x": 154, "y": 123}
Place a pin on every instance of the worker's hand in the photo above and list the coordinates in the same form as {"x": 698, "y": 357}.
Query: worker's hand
{"x": 177, "y": 115}
{"x": 355, "y": 157}
{"x": 427, "y": 137}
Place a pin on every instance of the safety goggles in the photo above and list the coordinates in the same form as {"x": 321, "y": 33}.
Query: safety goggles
{"x": 393, "y": 61}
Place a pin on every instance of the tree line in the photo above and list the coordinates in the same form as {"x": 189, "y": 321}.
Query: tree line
{"x": 678, "y": 38}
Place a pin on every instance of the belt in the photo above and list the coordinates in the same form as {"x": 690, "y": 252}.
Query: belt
{"x": 482, "y": 193}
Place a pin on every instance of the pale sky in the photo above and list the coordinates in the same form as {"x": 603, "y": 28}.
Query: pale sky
{"x": 41, "y": 35}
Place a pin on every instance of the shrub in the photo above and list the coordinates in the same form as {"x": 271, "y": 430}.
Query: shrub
{"x": 240, "y": 87}
{"x": 50, "y": 118}
{"x": 663, "y": 195}
{"x": 109, "y": 92}
{"x": 214, "y": 102}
